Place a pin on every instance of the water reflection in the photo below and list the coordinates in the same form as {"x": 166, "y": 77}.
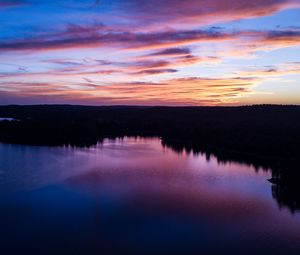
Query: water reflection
{"x": 285, "y": 174}
{"x": 136, "y": 196}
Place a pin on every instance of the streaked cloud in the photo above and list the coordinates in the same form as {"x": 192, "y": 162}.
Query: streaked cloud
{"x": 271, "y": 71}
{"x": 92, "y": 37}
{"x": 170, "y": 52}
{"x": 191, "y": 91}
{"x": 177, "y": 13}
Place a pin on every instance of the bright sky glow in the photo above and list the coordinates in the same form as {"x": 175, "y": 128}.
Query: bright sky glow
{"x": 158, "y": 52}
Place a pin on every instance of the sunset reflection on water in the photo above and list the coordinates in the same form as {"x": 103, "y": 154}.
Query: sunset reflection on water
{"x": 135, "y": 195}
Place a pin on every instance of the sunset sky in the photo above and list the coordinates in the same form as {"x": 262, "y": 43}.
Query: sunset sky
{"x": 150, "y": 52}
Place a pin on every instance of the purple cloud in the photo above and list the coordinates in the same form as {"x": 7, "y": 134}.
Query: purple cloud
{"x": 11, "y": 3}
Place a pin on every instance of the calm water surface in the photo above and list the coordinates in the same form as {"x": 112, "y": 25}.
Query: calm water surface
{"x": 133, "y": 196}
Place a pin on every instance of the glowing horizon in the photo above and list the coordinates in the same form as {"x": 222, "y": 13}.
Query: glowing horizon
{"x": 139, "y": 52}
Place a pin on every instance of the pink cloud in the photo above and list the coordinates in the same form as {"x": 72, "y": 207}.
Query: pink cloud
{"x": 178, "y": 13}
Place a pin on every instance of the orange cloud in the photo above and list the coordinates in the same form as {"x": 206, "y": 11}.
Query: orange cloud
{"x": 189, "y": 91}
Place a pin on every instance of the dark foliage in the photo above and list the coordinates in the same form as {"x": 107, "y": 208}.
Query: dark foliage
{"x": 265, "y": 135}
